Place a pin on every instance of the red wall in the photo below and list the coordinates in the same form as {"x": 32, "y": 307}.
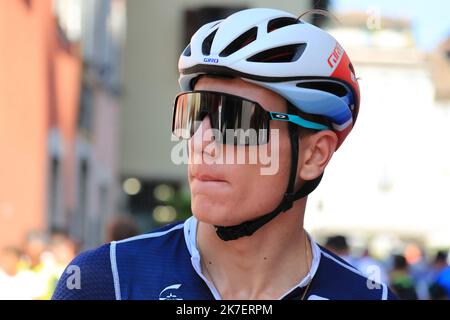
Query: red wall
{"x": 39, "y": 88}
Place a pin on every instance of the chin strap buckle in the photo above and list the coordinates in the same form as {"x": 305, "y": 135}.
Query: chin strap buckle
{"x": 235, "y": 232}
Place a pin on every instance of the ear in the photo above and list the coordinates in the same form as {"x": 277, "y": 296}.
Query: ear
{"x": 316, "y": 151}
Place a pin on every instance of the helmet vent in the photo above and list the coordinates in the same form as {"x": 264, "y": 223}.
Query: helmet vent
{"x": 207, "y": 43}
{"x": 187, "y": 51}
{"x": 215, "y": 24}
{"x": 279, "y": 23}
{"x": 327, "y": 86}
{"x": 288, "y": 53}
{"x": 240, "y": 42}
{"x": 351, "y": 68}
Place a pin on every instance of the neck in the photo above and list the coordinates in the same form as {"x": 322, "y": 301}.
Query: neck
{"x": 263, "y": 266}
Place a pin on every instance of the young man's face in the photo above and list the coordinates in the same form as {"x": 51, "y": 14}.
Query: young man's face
{"x": 225, "y": 193}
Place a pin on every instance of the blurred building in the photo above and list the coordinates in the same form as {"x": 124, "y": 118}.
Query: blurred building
{"x": 99, "y": 26}
{"x": 92, "y": 196}
{"x": 156, "y": 35}
{"x": 39, "y": 86}
{"x": 441, "y": 71}
{"x": 395, "y": 166}
{"x": 59, "y": 115}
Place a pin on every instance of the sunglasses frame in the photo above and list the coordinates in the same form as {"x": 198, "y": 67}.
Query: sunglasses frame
{"x": 276, "y": 116}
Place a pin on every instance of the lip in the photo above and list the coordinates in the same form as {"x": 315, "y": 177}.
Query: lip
{"x": 207, "y": 182}
{"x": 206, "y": 176}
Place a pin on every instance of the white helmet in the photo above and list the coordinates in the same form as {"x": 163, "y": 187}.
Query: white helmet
{"x": 297, "y": 60}
{"x": 275, "y": 50}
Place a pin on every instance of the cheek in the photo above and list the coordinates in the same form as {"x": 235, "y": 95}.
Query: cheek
{"x": 249, "y": 193}
{"x": 265, "y": 191}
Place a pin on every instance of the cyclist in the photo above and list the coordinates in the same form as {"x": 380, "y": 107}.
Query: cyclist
{"x": 263, "y": 71}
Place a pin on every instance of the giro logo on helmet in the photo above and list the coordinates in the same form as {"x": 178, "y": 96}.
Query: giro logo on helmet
{"x": 211, "y": 60}
{"x": 333, "y": 59}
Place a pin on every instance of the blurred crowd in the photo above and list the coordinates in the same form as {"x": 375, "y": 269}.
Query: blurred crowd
{"x": 421, "y": 276}
{"x": 32, "y": 271}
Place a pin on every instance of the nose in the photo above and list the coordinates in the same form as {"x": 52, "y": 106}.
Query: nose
{"x": 202, "y": 137}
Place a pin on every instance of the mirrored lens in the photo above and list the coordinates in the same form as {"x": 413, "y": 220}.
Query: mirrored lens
{"x": 234, "y": 120}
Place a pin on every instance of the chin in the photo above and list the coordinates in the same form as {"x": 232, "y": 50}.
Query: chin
{"x": 213, "y": 213}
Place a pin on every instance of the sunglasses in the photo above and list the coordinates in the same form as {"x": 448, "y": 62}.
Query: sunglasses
{"x": 234, "y": 120}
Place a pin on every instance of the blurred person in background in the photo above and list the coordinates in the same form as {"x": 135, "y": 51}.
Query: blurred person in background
{"x": 338, "y": 245}
{"x": 62, "y": 249}
{"x": 35, "y": 248}
{"x": 440, "y": 277}
{"x": 372, "y": 268}
{"x": 14, "y": 282}
{"x": 440, "y": 261}
{"x": 401, "y": 281}
{"x": 10, "y": 260}
{"x": 120, "y": 228}
{"x": 420, "y": 269}
{"x": 38, "y": 260}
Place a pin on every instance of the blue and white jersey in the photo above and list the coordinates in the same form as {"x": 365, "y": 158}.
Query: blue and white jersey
{"x": 165, "y": 264}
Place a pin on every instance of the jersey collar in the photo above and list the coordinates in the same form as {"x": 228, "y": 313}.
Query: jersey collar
{"x": 190, "y": 236}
